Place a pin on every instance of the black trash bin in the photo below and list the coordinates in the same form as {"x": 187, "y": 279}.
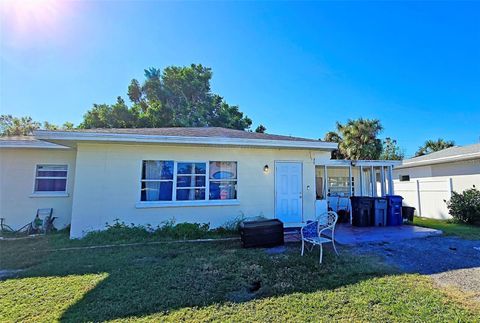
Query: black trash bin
{"x": 362, "y": 211}
{"x": 379, "y": 211}
{"x": 408, "y": 212}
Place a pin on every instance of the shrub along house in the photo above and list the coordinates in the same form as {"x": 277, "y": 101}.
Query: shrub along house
{"x": 203, "y": 175}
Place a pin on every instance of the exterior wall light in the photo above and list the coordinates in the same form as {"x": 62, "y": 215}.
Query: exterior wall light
{"x": 266, "y": 169}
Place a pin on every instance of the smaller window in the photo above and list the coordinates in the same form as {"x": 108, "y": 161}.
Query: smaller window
{"x": 404, "y": 178}
{"x": 51, "y": 178}
{"x": 157, "y": 180}
{"x": 191, "y": 181}
{"x": 223, "y": 180}
{"x": 340, "y": 186}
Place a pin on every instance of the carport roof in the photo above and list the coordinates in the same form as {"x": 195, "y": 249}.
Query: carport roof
{"x": 27, "y": 142}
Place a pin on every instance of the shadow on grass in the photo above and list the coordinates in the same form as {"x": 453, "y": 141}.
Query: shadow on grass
{"x": 144, "y": 280}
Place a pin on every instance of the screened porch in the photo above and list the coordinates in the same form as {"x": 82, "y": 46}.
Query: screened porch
{"x": 337, "y": 180}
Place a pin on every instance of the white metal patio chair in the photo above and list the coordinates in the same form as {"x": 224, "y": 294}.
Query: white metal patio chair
{"x": 312, "y": 232}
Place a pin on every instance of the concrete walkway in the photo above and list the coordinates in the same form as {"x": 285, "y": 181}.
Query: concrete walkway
{"x": 346, "y": 234}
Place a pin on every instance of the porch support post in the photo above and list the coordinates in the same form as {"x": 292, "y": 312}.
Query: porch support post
{"x": 390, "y": 181}
{"x": 325, "y": 181}
{"x": 350, "y": 179}
{"x": 373, "y": 180}
{"x": 351, "y": 189}
{"x": 361, "y": 180}
{"x": 382, "y": 180}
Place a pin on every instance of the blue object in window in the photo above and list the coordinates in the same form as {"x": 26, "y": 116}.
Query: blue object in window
{"x": 191, "y": 168}
{"x": 223, "y": 175}
{"x": 165, "y": 191}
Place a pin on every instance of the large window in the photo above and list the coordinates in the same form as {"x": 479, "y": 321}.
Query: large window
{"x": 51, "y": 178}
{"x": 188, "y": 181}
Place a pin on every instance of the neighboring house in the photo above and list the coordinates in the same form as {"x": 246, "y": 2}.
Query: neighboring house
{"x": 35, "y": 174}
{"x": 426, "y": 182}
{"x": 204, "y": 175}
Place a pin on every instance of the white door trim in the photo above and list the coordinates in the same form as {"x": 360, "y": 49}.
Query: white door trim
{"x": 275, "y": 186}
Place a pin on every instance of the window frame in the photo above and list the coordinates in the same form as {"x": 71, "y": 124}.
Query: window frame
{"x": 36, "y": 193}
{"x": 347, "y": 188}
{"x": 142, "y": 180}
{"x": 234, "y": 180}
{"x": 174, "y": 202}
{"x": 175, "y": 178}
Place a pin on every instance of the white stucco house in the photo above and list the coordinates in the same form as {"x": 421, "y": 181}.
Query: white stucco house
{"x": 204, "y": 175}
{"x": 425, "y": 182}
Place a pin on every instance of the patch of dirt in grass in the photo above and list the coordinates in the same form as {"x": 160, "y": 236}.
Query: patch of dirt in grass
{"x": 245, "y": 294}
{"x": 467, "y": 280}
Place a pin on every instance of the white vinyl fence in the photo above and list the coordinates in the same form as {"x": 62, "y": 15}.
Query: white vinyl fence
{"x": 427, "y": 196}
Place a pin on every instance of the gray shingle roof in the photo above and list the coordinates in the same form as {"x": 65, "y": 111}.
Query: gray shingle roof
{"x": 206, "y": 132}
{"x": 26, "y": 142}
{"x": 445, "y": 154}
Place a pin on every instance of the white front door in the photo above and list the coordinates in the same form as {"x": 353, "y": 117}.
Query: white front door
{"x": 288, "y": 191}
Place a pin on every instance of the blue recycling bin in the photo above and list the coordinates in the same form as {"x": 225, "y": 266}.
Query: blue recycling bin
{"x": 394, "y": 210}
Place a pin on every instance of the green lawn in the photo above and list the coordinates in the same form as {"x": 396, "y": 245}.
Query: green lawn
{"x": 213, "y": 281}
{"x": 449, "y": 228}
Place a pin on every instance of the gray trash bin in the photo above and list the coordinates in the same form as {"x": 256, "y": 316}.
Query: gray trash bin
{"x": 379, "y": 211}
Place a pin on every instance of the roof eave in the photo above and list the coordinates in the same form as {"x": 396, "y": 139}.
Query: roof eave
{"x": 56, "y": 136}
{"x": 356, "y": 163}
{"x": 442, "y": 160}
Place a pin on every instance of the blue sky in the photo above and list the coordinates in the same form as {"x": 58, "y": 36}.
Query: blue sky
{"x": 296, "y": 67}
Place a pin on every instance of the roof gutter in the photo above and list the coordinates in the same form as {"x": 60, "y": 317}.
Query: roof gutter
{"x": 439, "y": 160}
{"x": 55, "y": 136}
{"x": 356, "y": 163}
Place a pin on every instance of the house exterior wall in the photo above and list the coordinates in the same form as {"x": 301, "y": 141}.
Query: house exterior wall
{"x": 413, "y": 172}
{"x": 18, "y": 204}
{"x": 430, "y": 185}
{"x": 107, "y": 185}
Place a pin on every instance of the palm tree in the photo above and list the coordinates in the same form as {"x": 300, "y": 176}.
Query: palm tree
{"x": 332, "y": 136}
{"x": 13, "y": 126}
{"x": 360, "y": 139}
{"x": 357, "y": 139}
{"x": 431, "y": 146}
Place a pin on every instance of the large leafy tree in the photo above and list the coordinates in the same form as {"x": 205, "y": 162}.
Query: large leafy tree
{"x": 391, "y": 150}
{"x": 357, "y": 139}
{"x": 260, "y": 129}
{"x": 431, "y": 146}
{"x": 24, "y": 126}
{"x": 14, "y": 126}
{"x": 178, "y": 96}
